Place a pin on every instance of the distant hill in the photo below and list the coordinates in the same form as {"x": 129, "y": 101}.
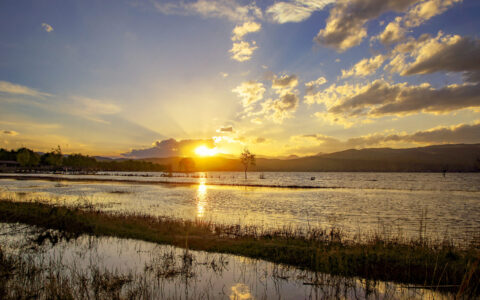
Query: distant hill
{"x": 453, "y": 158}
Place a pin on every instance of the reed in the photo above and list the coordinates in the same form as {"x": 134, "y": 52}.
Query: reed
{"x": 417, "y": 262}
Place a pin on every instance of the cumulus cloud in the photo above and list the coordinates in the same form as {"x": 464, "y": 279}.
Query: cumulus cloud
{"x": 425, "y": 10}
{"x": 272, "y": 109}
{"x": 393, "y": 33}
{"x": 228, "y": 9}
{"x": 382, "y": 98}
{"x": 415, "y": 16}
{"x": 331, "y": 95}
{"x": 333, "y": 119}
{"x": 295, "y": 11}
{"x": 47, "y": 27}
{"x": 345, "y": 25}
{"x": 16, "y": 89}
{"x": 461, "y": 133}
{"x": 242, "y": 50}
{"x": 366, "y": 66}
{"x": 280, "y": 109}
{"x": 250, "y": 92}
{"x": 241, "y": 30}
{"x": 450, "y": 53}
{"x": 170, "y": 148}
{"x": 319, "y": 81}
{"x": 311, "y": 89}
{"x": 284, "y": 84}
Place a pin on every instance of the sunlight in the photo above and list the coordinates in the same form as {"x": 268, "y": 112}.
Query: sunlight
{"x": 205, "y": 151}
{"x": 201, "y": 198}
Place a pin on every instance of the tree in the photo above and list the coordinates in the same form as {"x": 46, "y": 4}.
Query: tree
{"x": 23, "y": 157}
{"x": 247, "y": 159}
{"x": 27, "y": 157}
{"x": 186, "y": 164}
{"x": 53, "y": 158}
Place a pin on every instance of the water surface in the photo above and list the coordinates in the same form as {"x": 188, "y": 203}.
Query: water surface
{"x": 386, "y": 203}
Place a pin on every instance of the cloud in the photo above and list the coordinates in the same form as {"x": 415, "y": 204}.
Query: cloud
{"x": 242, "y": 51}
{"x": 382, "y": 98}
{"x": 333, "y": 119}
{"x": 415, "y": 16}
{"x": 460, "y": 133}
{"x": 9, "y": 132}
{"x": 241, "y": 30}
{"x": 425, "y": 10}
{"x": 311, "y": 89}
{"x": 280, "y": 109}
{"x": 93, "y": 109}
{"x": 16, "y": 89}
{"x": 284, "y": 84}
{"x": 225, "y": 129}
{"x": 256, "y": 121}
{"x": 319, "y": 81}
{"x": 450, "y": 53}
{"x": 227, "y": 9}
{"x": 47, "y": 28}
{"x": 250, "y": 92}
{"x": 260, "y": 140}
{"x": 331, "y": 95}
{"x": 273, "y": 109}
{"x": 295, "y": 11}
{"x": 170, "y": 148}
{"x": 392, "y": 33}
{"x": 345, "y": 25}
{"x": 365, "y": 67}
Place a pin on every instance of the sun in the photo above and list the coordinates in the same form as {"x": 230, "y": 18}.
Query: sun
{"x": 205, "y": 151}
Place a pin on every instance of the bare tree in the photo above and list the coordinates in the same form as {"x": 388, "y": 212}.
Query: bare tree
{"x": 247, "y": 159}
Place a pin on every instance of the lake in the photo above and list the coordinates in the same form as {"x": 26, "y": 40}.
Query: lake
{"x": 391, "y": 204}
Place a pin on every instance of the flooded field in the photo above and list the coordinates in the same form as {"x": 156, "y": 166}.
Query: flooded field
{"x": 112, "y": 267}
{"x": 387, "y": 203}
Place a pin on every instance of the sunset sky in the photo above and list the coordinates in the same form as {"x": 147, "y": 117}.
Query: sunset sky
{"x": 143, "y": 78}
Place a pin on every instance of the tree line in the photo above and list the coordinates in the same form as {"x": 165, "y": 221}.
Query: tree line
{"x": 55, "y": 160}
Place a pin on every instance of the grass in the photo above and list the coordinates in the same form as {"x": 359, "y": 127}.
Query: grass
{"x": 417, "y": 262}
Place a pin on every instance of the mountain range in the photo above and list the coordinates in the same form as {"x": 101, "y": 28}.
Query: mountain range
{"x": 437, "y": 158}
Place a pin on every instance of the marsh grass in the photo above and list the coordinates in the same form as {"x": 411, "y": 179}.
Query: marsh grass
{"x": 420, "y": 262}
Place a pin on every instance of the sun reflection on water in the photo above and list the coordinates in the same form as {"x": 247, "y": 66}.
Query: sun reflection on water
{"x": 201, "y": 198}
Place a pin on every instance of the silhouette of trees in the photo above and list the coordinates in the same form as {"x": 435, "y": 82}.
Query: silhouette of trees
{"x": 79, "y": 161}
{"x": 56, "y": 160}
{"x": 247, "y": 159}
{"x": 27, "y": 158}
{"x": 53, "y": 158}
{"x": 8, "y": 155}
{"x": 186, "y": 164}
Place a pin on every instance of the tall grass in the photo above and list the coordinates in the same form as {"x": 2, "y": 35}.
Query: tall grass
{"x": 416, "y": 262}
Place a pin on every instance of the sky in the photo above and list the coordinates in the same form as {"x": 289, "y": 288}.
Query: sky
{"x": 143, "y": 78}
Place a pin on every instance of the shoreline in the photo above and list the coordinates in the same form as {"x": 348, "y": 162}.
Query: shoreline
{"x": 419, "y": 262}
{"x": 59, "y": 178}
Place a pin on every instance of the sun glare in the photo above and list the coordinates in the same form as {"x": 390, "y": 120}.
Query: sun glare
{"x": 205, "y": 151}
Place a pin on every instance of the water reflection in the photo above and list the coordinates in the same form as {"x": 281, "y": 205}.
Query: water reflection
{"x": 240, "y": 291}
{"x": 112, "y": 268}
{"x": 201, "y": 197}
